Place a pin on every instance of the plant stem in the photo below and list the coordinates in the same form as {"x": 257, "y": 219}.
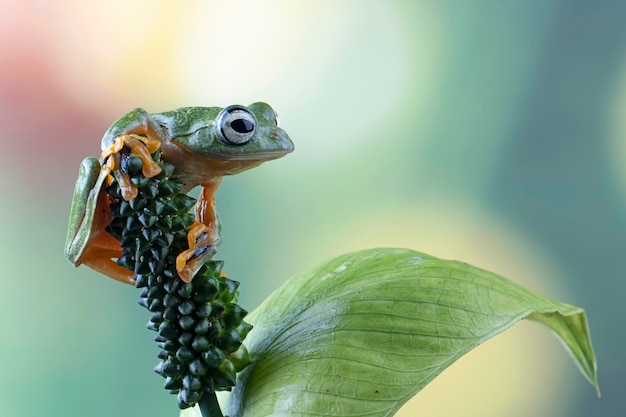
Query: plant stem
{"x": 209, "y": 407}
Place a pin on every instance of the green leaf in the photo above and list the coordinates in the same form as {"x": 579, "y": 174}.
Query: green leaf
{"x": 362, "y": 333}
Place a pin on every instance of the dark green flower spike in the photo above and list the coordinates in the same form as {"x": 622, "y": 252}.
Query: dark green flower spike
{"x": 199, "y": 326}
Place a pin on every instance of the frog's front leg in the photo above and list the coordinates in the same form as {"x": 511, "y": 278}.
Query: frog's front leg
{"x": 203, "y": 236}
{"x": 138, "y": 132}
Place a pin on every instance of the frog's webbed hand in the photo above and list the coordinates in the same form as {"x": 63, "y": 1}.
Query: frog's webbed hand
{"x": 203, "y": 236}
{"x": 138, "y": 145}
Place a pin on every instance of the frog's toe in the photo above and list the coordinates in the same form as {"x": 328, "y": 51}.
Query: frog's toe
{"x": 128, "y": 189}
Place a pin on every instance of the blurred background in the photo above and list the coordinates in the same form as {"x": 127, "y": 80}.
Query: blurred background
{"x": 492, "y": 132}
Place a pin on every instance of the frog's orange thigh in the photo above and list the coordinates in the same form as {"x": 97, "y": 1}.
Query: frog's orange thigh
{"x": 100, "y": 260}
{"x": 112, "y": 270}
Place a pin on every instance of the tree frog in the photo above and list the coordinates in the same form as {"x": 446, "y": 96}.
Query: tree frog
{"x": 203, "y": 143}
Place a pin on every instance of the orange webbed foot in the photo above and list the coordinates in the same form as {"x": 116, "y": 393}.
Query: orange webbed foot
{"x": 202, "y": 247}
{"x": 139, "y": 146}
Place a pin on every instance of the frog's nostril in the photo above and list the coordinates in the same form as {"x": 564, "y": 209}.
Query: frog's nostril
{"x": 242, "y": 125}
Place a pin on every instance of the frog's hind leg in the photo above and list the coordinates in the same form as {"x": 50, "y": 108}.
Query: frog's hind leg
{"x": 203, "y": 236}
{"x": 103, "y": 248}
{"x": 101, "y": 260}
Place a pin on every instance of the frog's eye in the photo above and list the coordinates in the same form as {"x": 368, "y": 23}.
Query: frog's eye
{"x": 236, "y": 125}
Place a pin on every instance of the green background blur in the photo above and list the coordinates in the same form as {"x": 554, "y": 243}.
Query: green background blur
{"x": 488, "y": 131}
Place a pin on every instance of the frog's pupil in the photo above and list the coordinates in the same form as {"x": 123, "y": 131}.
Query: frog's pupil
{"x": 242, "y": 125}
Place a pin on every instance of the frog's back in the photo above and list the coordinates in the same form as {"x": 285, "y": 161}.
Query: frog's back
{"x": 180, "y": 122}
{"x": 128, "y": 122}
{"x": 186, "y": 120}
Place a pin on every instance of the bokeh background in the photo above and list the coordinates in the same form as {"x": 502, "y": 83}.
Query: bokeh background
{"x": 492, "y": 132}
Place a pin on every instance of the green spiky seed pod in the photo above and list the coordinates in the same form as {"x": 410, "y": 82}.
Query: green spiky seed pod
{"x": 199, "y": 326}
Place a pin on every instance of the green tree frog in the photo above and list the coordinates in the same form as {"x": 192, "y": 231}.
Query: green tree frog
{"x": 203, "y": 143}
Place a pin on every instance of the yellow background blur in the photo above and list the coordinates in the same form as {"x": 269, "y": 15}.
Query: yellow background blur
{"x": 492, "y": 132}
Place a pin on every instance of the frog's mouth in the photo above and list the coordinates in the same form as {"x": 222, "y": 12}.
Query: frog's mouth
{"x": 273, "y": 146}
{"x": 257, "y": 156}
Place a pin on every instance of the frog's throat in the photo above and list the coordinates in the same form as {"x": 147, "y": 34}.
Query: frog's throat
{"x": 194, "y": 169}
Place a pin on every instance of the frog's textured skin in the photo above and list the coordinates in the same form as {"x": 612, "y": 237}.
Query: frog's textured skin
{"x": 203, "y": 144}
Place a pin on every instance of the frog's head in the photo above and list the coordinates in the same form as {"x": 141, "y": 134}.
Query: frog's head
{"x": 234, "y": 133}
{"x": 251, "y": 133}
